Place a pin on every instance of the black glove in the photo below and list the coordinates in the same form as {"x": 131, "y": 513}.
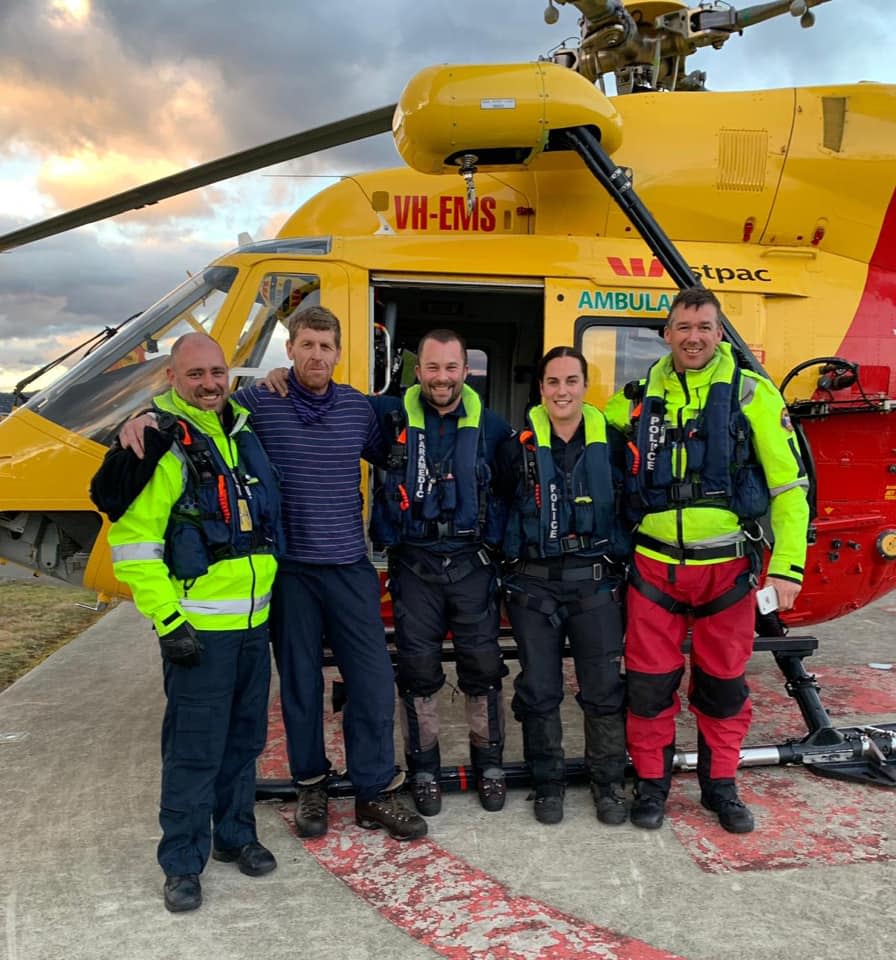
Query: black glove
{"x": 181, "y": 646}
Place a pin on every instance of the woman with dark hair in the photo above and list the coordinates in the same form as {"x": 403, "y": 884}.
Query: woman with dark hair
{"x": 564, "y": 547}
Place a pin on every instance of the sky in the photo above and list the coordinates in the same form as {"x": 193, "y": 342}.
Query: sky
{"x": 100, "y": 95}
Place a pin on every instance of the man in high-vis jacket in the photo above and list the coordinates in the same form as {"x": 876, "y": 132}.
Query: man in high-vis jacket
{"x": 711, "y": 452}
{"x": 197, "y": 549}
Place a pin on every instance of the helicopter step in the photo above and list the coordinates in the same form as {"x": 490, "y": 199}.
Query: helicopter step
{"x": 865, "y": 754}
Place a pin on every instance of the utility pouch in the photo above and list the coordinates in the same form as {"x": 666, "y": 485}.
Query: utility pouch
{"x": 694, "y": 446}
{"x": 750, "y": 498}
{"x": 583, "y": 512}
{"x": 186, "y": 555}
{"x": 447, "y": 488}
{"x": 661, "y": 474}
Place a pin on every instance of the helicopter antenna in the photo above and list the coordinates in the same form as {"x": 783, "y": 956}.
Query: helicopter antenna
{"x": 91, "y": 343}
{"x": 648, "y": 55}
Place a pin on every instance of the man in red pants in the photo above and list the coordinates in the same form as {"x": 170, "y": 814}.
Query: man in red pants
{"x": 711, "y": 451}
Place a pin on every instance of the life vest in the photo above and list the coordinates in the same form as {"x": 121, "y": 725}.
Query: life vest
{"x": 549, "y": 520}
{"x": 224, "y": 512}
{"x": 422, "y": 501}
{"x": 706, "y": 461}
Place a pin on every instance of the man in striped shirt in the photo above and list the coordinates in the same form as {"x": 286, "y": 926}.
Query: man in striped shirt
{"x": 326, "y": 587}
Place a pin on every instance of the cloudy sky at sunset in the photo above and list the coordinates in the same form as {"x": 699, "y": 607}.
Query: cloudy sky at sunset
{"x": 100, "y": 95}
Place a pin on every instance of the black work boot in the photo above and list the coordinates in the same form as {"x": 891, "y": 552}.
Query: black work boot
{"x": 183, "y": 893}
{"x": 609, "y": 799}
{"x": 424, "y": 769}
{"x": 427, "y": 794}
{"x": 649, "y": 806}
{"x": 491, "y": 784}
{"x": 721, "y": 797}
{"x": 605, "y": 759}
{"x": 543, "y": 750}
{"x": 311, "y": 807}
{"x": 548, "y": 804}
{"x": 387, "y": 810}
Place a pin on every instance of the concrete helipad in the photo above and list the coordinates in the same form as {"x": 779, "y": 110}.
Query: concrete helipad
{"x": 78, "y": 878}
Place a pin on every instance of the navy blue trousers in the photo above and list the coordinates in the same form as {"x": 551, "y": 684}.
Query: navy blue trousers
{"x": 336, "y": 604}
{"x": 214, "y": 729}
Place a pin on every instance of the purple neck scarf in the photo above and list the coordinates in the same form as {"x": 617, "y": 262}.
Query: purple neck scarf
{"x": 309, "y": 407}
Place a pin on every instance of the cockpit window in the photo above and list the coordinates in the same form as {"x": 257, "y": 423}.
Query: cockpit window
{"x": 123, "y": 375}
{"x": 262, "y": 343}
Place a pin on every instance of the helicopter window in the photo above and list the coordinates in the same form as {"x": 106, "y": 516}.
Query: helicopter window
{"x": 262, "y": 343}
{"x": 123, "y": 375}
{"x": 617, "y": 352}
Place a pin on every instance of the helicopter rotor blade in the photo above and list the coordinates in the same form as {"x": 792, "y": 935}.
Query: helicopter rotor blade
{"x": 329, "y": 135}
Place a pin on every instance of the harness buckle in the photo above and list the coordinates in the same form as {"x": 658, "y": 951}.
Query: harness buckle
{"x": 597, "y": 571}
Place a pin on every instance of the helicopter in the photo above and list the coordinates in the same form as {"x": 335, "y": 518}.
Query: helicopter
{"x": 535, "y": 210}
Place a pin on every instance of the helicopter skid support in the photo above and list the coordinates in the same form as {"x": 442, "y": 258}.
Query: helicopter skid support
{"x": 864, "y": 754}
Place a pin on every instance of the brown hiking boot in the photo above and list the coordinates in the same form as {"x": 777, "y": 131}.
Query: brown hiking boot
{"x": 387, "y": 810}
{"x": 311, "y": 808}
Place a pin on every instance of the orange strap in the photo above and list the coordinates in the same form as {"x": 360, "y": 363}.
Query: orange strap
{"x": 222, "y": 497}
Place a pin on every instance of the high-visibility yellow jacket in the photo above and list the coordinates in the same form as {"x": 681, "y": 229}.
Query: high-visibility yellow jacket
{"x": 775, "y": 447}
{"x": 235, "y": 592}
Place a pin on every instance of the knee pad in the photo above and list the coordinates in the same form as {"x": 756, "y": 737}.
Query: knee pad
{"x": 420, "y": 676}
{"x": 716, "y": 697}
{"x": 649, "y": 694}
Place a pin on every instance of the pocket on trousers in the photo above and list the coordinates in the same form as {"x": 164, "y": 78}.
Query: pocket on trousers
{"x": 192, "y": 733}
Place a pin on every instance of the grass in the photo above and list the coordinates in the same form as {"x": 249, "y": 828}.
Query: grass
{"x": 38, "y": 618}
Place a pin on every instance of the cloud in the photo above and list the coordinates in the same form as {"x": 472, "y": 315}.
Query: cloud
{"x": 113, "y": 94}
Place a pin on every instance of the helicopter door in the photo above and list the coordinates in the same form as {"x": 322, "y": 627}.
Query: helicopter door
{"x": 501, "y": 321}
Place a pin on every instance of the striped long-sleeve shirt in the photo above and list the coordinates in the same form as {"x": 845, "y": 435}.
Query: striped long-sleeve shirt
{"x": 320, "y": 473}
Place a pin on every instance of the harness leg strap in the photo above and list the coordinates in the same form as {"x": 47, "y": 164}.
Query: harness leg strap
{"x": 740, "y": 588}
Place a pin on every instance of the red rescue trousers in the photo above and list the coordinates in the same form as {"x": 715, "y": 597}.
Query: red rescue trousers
{"x": 721, "y": 645}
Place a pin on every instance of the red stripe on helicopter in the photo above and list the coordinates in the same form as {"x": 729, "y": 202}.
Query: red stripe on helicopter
{"x": 875, "y": 320}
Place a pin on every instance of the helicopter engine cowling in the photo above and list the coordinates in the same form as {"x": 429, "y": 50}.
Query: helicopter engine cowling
{"x": 500, "y": 116}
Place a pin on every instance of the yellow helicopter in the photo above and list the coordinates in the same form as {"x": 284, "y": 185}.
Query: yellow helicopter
{"x": 535, "y": 210}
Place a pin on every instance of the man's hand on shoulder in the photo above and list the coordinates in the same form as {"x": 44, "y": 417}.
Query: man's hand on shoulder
{"x": 276, "y": 381}
{"x": 131, "y": 435}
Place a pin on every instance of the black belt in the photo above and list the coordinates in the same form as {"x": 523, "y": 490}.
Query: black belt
{"x": 544, "y": 571}
{"x": 726, "y": 551}
{"x": 452, "y": 570}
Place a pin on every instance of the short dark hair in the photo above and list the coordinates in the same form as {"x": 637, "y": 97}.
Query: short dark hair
{"x": 692, "y": 298}
{"x": 443, "y": 336}
{"x": 556, "y": 352}
{"x": 314, "y": 318}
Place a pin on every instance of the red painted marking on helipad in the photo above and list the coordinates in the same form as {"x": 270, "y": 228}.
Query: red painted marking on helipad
{"x": 797, "y": 825}
{"x": 454, "y": 909}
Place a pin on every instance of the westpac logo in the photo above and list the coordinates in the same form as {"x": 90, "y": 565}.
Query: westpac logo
{"x": 636, "y": 267}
